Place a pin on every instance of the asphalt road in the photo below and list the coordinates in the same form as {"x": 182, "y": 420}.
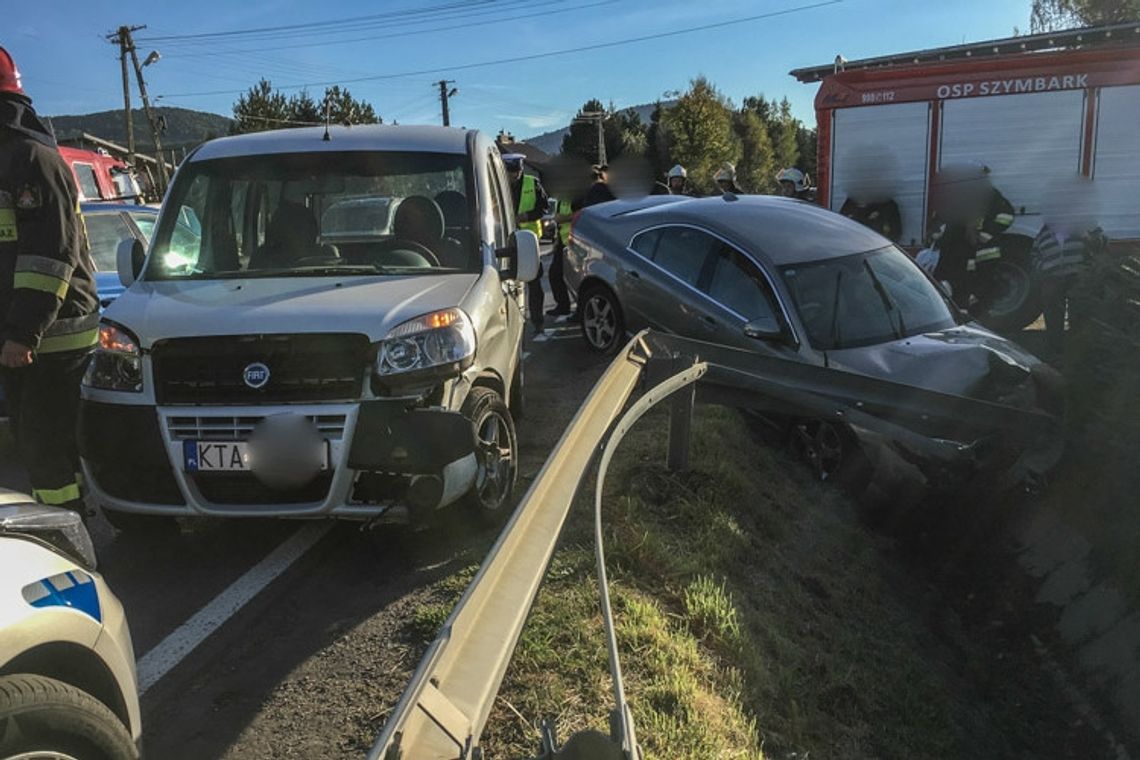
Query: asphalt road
{"x": 277, "y": 639}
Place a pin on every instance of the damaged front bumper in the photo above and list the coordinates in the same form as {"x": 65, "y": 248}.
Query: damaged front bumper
{"x": 387, "y": 460}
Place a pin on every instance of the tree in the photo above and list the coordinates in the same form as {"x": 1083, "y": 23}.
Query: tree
{"x": 259, "y": 109}
{"x": 622, "y": 132}
{"x": 785, "y": 141}
{"x": 264, "y": 108}
{"x": 756, "y": 171}
{"x": 1052, "y": 15}
{"x": 807, "y": 139}
{"x": 700, "y": 133}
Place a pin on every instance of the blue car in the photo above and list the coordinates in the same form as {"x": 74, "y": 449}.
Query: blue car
{"x": 108, "y": 225}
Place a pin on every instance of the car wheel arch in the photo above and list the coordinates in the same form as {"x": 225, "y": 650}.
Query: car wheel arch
{"x": 74, "y": 665}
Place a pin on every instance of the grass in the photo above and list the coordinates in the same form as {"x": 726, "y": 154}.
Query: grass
{"x": 753, "y": 615}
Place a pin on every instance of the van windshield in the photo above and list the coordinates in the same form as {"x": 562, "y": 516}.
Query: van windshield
{"x": 865, "y": 299}
{"x": 317, "y": 214}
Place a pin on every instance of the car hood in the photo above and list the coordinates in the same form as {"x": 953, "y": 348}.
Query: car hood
{"x": 964, "y": 361}
{"x": 371, "y": 305}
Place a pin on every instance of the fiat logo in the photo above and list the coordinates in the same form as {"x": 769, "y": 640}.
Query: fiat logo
{"x": 256, "y": 375}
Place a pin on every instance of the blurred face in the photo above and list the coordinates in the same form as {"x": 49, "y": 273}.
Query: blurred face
{"x": 724, "y": 184}
{"x": 676, "y": 183}
{"x": 788, "y": 189}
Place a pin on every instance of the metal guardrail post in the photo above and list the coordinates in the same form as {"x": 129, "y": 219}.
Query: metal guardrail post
{"x": 681, "y": 422}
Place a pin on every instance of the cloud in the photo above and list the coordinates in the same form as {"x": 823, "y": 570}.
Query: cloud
{"x": 27, "y": 30}
{"x": 538, "y": 120}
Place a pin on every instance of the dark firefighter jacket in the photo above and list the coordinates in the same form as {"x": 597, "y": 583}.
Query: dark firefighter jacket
{"x": 48, "y": 298}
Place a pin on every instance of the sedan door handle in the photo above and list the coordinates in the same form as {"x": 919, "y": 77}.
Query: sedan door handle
{"x": 634, "y": 275}
{"x": 709, "y": 321}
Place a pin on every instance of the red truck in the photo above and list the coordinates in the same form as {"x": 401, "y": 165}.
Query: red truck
{"x": 100, "y": 176}
{"x": 1041, "y": 111}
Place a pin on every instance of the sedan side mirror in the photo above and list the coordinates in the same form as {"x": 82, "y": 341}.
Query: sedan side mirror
{"x": 765, "y": 328}
{"x": 129, "y": 258}
{"x": 522, "y": 250}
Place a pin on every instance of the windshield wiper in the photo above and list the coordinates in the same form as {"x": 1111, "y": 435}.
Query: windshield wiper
{"x": 900, "y": 329}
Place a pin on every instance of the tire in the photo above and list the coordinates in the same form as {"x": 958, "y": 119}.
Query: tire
{"x": 496, "y": 453}
{"x": 132, "y": 523}
{"x": 603, "y": 324}
{"x": 44, "y": 717}
{"x": 833, "y": 453}
{"x": 1012, "y": 300}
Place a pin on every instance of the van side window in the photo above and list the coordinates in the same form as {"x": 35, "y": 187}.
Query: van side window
{"x": 495, "y": 169}
{"x": 736, "y": 284}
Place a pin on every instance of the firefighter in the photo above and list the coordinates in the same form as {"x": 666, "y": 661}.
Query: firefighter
{"x": 530, "y": 204}
{"x": 48, "y": 298}
{"x": 726, "y": 180}
{"x": 678, "y": 179}
{"x": 882, "y": 216}
{"x": 974, "y": 216}
{"x": 794, "y": 184}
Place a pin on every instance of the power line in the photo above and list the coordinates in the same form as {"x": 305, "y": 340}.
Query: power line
{"x": 309, "y": 27}
{"x": 536, "y": 56}
{"x": 529, "y": 4}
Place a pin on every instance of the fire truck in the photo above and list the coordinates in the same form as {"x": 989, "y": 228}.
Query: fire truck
{"x": 100, "y": 176}
{"x": 1040, "y": 112}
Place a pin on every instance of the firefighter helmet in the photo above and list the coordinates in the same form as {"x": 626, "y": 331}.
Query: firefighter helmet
{"x": 677, "y": 171}
{"x": 727, "y": 173}
{"x": 9, "y": 74}
{"x": 798, "y": 179}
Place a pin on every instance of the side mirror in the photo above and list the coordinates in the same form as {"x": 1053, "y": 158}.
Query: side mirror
{"x": 523, "y": 252}
{"x": 765, "y": 328}
{"x": 129, "y": 258}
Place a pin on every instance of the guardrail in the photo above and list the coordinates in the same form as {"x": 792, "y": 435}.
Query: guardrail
{"x": 444, "y": 708}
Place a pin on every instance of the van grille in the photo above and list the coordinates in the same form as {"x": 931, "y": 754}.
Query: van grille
{"x": 302, "y": 368}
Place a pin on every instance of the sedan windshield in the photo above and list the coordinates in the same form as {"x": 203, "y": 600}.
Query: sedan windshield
{"x": 317, "y": 214}
{"x": 864, "y": 299}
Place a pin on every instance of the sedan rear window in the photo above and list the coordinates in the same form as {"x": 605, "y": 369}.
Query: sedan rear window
{"x": 865, "y": 299}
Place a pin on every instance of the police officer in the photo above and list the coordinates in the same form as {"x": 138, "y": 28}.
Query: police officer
{"x": 48, "y": 300}
{"x": 530, "y": 204}
{"x": 563, "y": 215}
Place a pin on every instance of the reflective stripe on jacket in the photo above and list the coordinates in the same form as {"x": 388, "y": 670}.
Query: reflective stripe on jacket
{"x": 528, "y": 201}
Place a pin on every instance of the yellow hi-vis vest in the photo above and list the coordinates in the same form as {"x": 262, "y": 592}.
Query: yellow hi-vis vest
{"x": 564, "y": 227}
{"x": 528, "y": 200}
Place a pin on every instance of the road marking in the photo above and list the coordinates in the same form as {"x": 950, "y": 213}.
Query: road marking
{"x": 173, "y": 649}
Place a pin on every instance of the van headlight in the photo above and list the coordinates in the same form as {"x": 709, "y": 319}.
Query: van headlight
{"x": 117, "y": 362}
{"x": 442, "y": 343}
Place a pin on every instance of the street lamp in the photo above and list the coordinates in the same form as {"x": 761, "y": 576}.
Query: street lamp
{"x": 154, "y": 56}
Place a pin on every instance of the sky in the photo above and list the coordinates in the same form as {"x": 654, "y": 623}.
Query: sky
{"x": 400, "y": 47}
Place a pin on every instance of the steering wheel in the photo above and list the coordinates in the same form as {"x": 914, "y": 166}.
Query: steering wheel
{"x": 414, "y": 247}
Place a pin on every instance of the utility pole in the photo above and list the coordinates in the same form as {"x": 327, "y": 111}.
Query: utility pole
{"x": 444, "y": 94}
{"x": 122, "y": 38}
{"x": 150, "y": 117}
{"x": 598, "y": 118}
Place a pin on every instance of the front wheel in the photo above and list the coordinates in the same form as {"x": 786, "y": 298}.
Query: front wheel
{"x": 1008, "y": 289}
{"x": 496, "y": 455}
{"x": 603, "y": 325}
{"x": 45, "y": 719}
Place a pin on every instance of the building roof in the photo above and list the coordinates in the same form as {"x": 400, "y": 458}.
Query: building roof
{"x": 363, "y": 137}
{"x": 1084, "y": 38}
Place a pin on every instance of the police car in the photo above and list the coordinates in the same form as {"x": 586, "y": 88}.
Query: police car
{"x": 67, "y": 667}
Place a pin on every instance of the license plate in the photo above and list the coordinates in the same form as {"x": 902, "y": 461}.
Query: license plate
{"x": 209, "y": 456}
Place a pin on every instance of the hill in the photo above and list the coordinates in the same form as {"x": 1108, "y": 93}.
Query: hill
{"x": 183, "y": 126}
{"x": 551, "y": 142}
